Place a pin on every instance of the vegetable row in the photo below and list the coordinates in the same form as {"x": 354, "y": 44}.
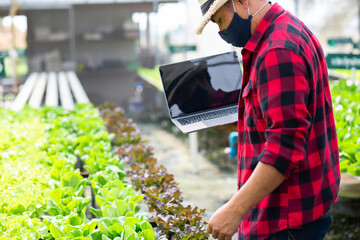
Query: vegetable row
{"x": 172, "y": 218}
{"x": 42, "y": 195}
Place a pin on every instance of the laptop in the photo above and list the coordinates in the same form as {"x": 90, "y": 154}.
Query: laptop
{"x": 202, "y": 93}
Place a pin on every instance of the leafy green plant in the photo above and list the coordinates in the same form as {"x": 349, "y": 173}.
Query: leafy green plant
{"x": 23, "y": 174}
{"x": 21, "y": 227}
{"x": 71, "y": 226}
{"x": 346, "y": 106}
{"x": 130, "y": 228}
{"x": 39, "y": 149}
{"x": 66, "y": 206}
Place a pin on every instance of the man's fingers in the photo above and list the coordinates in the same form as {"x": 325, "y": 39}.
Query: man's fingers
{"x": 221, "y": 237}
{"x": 209, "y": 229}
{"x": 215, "y": 234}
{"x": 224, "y": 237}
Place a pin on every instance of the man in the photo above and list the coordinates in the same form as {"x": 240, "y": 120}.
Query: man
{"x": 288, "y": 160}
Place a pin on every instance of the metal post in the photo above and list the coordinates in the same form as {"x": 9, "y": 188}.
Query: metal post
{"x": 187, "y": 27}
{"x": 13, "y": 56}
{"x": 359, "y": 19}
{"x": 193, "y": 142}
{"x": 296, "y": 2}
{"x": 72, "y": 37}
{"x": 148, "y": 30}
{"x": 353, "y": 75}
{"x": 12, "y": 52}
{"x": 156, "y": 46}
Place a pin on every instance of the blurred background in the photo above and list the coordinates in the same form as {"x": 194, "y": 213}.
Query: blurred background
{"x": 115, "y": 48}
{"x": 107, "y": 42}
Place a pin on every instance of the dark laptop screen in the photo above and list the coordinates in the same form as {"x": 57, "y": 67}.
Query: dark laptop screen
{"x": 203, "y": 83}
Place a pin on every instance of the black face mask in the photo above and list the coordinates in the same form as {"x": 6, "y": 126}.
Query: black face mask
{"x": 196, "y": 102}
{"x": 238, "y": 32}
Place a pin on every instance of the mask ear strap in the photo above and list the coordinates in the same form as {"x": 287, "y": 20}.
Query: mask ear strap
{"x": 259, "y": 9}
{"x": 234, "y": 5}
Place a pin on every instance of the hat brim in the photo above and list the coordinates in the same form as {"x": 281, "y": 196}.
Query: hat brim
{"x": 207, "y": 17}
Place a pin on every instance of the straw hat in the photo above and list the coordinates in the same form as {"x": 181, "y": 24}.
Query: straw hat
{"x": 208, "y": 8}
{"x": 179, "y": 76}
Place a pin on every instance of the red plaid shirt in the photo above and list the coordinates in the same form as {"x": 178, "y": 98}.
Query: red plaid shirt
{"x": 286, "y": 120}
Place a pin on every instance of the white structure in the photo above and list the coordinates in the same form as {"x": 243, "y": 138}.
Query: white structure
{"x": 50, "y": 85}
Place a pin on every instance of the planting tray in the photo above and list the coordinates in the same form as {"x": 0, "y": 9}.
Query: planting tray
{"x": 349, "y": 186}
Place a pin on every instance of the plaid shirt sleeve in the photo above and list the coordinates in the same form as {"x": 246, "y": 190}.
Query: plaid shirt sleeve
{"x": 282, "y": 92}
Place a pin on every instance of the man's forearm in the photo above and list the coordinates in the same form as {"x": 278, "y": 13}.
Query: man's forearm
{"x": 262, "y": 182}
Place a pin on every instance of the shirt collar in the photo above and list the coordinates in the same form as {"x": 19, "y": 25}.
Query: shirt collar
{"x": 260, "y": 30}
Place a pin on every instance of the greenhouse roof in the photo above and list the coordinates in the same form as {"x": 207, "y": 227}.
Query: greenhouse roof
{"x": 36, "y": 4}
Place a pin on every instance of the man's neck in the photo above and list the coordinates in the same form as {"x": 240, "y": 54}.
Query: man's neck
{"x": 256, "y": 6}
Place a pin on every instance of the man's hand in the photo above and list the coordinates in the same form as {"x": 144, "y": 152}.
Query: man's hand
{"x": 224, "y": 223}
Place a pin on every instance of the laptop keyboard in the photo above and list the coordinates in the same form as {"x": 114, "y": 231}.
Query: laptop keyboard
{"x": 206, "y": 116}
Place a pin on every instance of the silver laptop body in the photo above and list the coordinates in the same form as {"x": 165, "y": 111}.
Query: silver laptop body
{"x": 203, "y": 92}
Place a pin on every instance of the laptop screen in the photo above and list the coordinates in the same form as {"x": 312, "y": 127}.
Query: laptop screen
{"x": 200, "y": 84}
